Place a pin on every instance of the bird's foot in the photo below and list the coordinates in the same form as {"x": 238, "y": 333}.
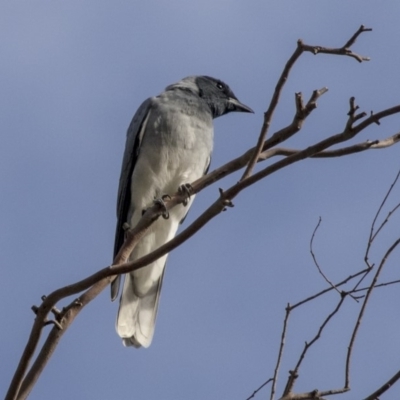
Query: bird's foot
{"x": 187, "y": 190}
{"x": 161, "y": 203}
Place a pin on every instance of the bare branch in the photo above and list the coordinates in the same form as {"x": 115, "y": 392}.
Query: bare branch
{"x": 379, "y": 285}
{"x": 280, "y": 352}
{"x": 386, "y": 386}
{"x": 313, "y": 395}
{"x": 353, "y": 39}
{"x": 315, "y": 259}
{"x": 301, "y": 47}
{"x": 288, "y": 394}
{"x": 374, "y": 118}
{"x": 23, "y": 381}
{"x": 342, "y": 51}
{"x": 374, "y": 235}
{"x": 278, "y": 137}
{"x": 259, "y": 388}
{"x": 66, "y": 317}
{"x": 295, "y": 373}
{"x": 322, "y": 292}
{"x": 270, "y": 112}
{"x": 344, "y": 151}
{"x": 363, "y": 307}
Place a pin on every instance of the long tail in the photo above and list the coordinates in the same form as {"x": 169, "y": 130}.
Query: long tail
{"x": 141, "y": 293}
{"x": 137, "y": 312}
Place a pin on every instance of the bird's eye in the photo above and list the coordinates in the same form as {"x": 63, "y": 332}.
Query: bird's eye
{"x": 220, "y": 86}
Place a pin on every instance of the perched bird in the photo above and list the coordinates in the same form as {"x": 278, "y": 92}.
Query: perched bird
{"x": 168, "y": 145}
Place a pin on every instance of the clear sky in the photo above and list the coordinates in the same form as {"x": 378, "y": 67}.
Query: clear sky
{"x": 72, "y": 74}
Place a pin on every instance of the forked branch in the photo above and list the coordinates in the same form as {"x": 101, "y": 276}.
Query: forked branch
{"x": 289, "y": 392}
{"x": 91, "y": 286}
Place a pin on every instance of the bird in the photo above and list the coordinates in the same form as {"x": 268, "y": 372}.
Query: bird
{"x": 168, "y": 145}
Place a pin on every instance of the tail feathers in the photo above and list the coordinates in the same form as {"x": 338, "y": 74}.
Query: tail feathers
{"x": 137, "y": 314}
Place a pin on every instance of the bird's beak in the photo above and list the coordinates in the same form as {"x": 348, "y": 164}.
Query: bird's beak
{"x": 236, "y": 105}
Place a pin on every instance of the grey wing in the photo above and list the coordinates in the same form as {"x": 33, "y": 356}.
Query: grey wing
{"x": 134, "y": 138}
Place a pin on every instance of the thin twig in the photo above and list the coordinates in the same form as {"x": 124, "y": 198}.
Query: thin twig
{"x": 270, "y": 112}
{"x": 380, "y": 208}
{"x": 315, "y": 259}
{"x": 301, "y": 47}
{"x": 322, "y": 292}
{"x": 342, "y": 51}
{"x": 386, "y": 220}
{"x": 362, "y": 311}
{"x": 280, "y": 352}
{"x": 259, "y": 388}
{"x": 373, "y": 234}
{"x": 344, "y": 151}
{"x": 379, "y": 285}
{"x": 314, "y": 394}
{"x": 386, "y": 386}
{"x": 295, "y": 373}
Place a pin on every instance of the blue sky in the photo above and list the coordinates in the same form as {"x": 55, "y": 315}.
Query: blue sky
{"x": 71, "y": 77}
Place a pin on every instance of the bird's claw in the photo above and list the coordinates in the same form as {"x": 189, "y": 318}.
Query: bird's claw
{"x": 187, "y": 190}
{"x": 161, "y": 204}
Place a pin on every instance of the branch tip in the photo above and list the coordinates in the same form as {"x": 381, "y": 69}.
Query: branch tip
{"x": 353, "y": 106}
{"x": 298, "y": 98}
{"x": 353, "y": 39}
{"x": 322, "y": 91}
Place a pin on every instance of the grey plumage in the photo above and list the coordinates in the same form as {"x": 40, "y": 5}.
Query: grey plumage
{"x": 169, "y": 143}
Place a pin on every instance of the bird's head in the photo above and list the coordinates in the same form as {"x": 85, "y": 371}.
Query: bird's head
{"x": 217, "y": 94}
